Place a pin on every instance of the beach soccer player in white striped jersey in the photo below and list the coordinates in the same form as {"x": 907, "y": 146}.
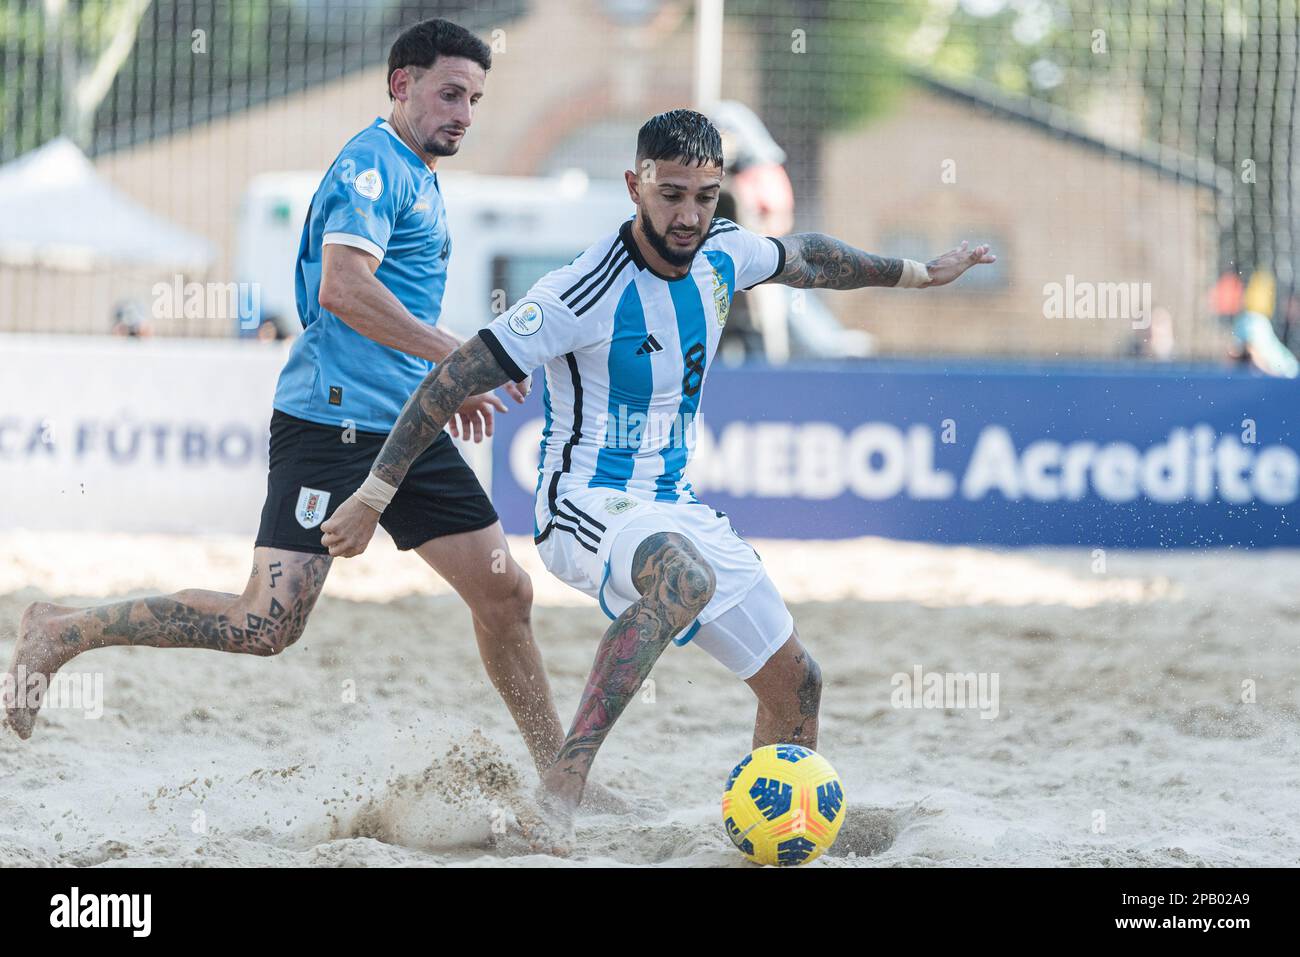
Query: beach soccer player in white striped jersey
{"x": 627, "y": 334}
{"x": 370, "y": 275}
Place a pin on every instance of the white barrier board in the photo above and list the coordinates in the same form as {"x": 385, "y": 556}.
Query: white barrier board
{"x": 128, "y": 435}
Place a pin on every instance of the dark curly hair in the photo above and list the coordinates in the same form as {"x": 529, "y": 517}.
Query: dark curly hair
{"x": 422, "y": 44}
{"x": 682, "y": 136}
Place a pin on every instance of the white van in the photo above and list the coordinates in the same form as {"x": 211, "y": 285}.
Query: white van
{"x": 506, "y": 232}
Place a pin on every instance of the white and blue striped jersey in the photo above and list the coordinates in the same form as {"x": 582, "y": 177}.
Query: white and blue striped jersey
{"x": 626, "y": 352}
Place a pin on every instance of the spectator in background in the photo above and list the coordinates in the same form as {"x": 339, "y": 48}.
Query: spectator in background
{"x": 1226, "y": 296}
{"x": 741, "y": 340}
{"x": 761, "y": 199}
{"x": 1255, "y": 340}
{"x": 271, "y": 328}
{"x": 1157, "y": 340}
{"x": 773, "y": 322}
{"x": 1260, "y": 346}
{"x": 1291, "y": 320}
{"x": 130, "y": 320}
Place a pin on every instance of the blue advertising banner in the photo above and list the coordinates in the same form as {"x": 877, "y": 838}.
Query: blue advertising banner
{"x": 1134, "y": 456}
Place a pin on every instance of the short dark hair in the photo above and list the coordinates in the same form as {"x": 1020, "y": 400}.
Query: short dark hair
{"x": 682, "y": 136}
{"x": 422, "y": 44}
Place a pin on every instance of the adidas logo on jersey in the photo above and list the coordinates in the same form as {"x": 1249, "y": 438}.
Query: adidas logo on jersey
{"x": 649, "y": 347}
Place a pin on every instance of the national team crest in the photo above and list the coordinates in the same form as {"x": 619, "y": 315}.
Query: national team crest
{"x": 721, "y": 297}
{"x": 312, "y": 503}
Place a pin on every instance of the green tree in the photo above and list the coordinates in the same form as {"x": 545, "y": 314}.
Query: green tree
{"x": 67, "y": 54}
{"x": 1216, "y": 79}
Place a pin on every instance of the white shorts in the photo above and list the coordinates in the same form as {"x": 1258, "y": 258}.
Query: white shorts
{"x": 594, "y": 540}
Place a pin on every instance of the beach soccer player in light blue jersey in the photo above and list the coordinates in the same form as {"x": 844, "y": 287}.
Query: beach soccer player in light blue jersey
{"x": 372, "y": 265}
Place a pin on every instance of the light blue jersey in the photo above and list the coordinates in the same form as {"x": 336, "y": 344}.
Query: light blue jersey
{"x": 377, "y": 196}
{"x": 626, "y": 353}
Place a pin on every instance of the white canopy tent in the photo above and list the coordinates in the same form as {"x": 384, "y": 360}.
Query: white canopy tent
{"x": 56, "y": 210}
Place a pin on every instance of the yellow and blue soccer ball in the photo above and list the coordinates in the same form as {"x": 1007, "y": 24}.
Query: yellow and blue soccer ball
{"x": 783, "y": 805}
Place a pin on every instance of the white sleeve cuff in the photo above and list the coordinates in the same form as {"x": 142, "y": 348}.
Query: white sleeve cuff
{"x": 779, "y": 264}
{"x": 356, "y": 242}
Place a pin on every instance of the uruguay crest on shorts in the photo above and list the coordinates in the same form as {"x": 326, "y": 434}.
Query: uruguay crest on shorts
{"x": 312, "y": 503}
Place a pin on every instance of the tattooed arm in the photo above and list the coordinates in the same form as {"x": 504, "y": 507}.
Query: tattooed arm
{"x": 470, "y": 370}
{"x": 818, "y": 261}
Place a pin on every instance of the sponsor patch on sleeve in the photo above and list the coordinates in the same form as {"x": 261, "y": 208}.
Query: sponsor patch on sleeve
{"x": 369, "y": 184}
{"x": 526, "y": 319}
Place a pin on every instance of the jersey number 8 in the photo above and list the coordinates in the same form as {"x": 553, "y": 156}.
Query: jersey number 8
{"x": 694, "y": 376}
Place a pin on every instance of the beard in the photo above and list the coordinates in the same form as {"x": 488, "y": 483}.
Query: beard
{"x": 659, "y": 243}
{"x": 439, "y": 147}
{"x": 438, "y": 143}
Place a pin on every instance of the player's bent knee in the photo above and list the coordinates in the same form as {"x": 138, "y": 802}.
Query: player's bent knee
{"x": 272, "y": 613}
{"x": 706, "y": 584}
{"x": 516, "y": 603}
{"x": 287, "y": 633}
{"x": 269, "y": 635}
{"x": 668, "y": 567}
{"x": 507, "y": 600}
{"x": 522, "y": 596}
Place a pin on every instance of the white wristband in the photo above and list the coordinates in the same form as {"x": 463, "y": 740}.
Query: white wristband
{"x": 915, "y": 275}
{"x": 376, "y": 493}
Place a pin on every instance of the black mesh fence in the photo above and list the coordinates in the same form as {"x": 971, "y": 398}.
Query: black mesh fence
{"x": 1184, "y": 112}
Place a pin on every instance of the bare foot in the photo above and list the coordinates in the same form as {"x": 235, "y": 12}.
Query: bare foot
{"x": 599, "y": 799}
{"x": 40, "y": 650}
{"x": 548, "y": 826}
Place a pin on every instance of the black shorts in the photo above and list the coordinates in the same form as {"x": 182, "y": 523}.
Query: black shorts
{"x": 313, "y": 470}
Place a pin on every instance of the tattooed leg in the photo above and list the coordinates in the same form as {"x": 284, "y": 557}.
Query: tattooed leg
{"x": 675, "y": 584}
{"x": 267, "y": 618}
{"x": 789, "y": 691}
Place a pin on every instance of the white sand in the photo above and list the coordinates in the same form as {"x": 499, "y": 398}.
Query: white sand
{"x": 1120, "y": 692}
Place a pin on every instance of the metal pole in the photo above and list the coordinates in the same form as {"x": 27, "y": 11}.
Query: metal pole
{"x": 708, "y": 52}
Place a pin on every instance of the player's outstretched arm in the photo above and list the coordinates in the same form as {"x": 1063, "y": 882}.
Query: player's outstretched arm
{"x": 818, "y": 261}
{"x": 470, "y": 370}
